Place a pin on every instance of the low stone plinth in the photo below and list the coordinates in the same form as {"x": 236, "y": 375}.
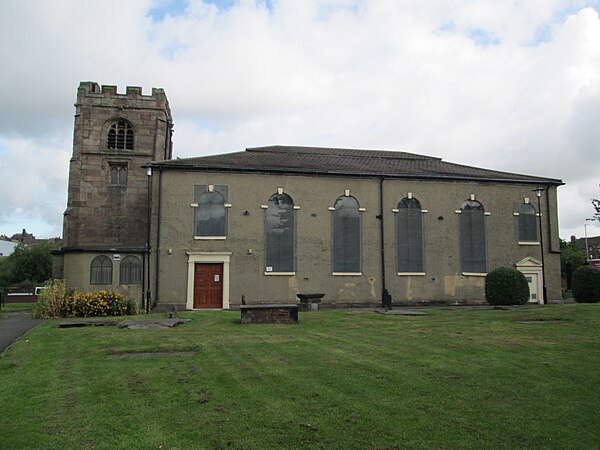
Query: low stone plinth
{"x": 273, "y": 313}
{"x": 310, "y": 302}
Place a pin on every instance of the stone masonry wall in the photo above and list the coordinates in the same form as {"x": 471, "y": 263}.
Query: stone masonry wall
{"x": 101, "y": 214}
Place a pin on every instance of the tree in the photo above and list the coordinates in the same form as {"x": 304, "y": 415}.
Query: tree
{"x": 27, "y": 265}
{"x": 571, "y": 258}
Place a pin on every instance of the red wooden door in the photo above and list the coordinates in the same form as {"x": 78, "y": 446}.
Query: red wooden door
{"x": 208, "y": 286}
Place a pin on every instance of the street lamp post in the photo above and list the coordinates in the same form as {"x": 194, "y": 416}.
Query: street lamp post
{"x": 538, "y": 193}
{"x": 587, "y": 247}
{"x": 588, "y": 255}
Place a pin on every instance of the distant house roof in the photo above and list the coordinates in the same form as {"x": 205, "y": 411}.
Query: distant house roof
{"x": 341, "y": 161}
{"x": 7, "y": 247}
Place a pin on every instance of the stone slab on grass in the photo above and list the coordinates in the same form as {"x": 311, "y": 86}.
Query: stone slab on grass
{"x": 153, "y": 323}
{"x": 87, "y": 323}
{"x": 132, "y": 324}
{"x": 402, "y": 312}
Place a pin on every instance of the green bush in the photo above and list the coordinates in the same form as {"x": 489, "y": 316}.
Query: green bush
{"x": 95, "y": 304}
{"x": 504, "y": 286}
{"x": 586, "y": 285}
{"x": 50, "y": 300}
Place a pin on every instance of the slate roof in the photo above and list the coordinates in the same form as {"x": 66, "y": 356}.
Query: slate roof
{"x": 341, "y": 161}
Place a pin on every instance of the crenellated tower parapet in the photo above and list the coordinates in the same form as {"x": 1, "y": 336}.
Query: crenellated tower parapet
{"x": 91, "y": 93}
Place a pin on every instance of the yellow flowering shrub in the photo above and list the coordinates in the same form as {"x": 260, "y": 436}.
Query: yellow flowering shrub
{"x": 94, "y": 304}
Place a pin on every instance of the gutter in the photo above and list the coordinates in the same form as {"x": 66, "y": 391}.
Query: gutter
{"x": 386, "y": 298}
{"x": 93, "y": 249}
{"x": 184, "y": 166}
{"x": 548, "y": 225}
{"x": 157, "y": 251}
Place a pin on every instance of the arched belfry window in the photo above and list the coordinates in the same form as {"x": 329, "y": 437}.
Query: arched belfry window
{"x": 280, "y": 234}
{"x": 528, "y": 230}
{"x": 409, "y": 236}
{"x": 346, "y": 235}
{"x": 101, "y": 270}
{"x": 120, "y": 136}
{"x": 472, "y": 237}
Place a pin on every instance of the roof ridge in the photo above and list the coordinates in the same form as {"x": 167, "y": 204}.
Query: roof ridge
{"x": 337, "y": 151}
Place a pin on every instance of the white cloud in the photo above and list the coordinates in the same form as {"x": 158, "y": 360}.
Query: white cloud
{"x": 506, "y": 85}
{"x": 33, "y": 183}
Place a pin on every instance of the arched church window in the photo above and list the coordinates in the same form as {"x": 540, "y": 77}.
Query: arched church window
{"x": 528, "y": 230}
{"x": 101, "y": 270}
{"x": 409, "y": 236}
{"x": 211, "y": 215}
{"x": 346, "y": 235}
{"x": 130, "y": 271}
{"x": 472, "y": 237}
{"x": 280, "y": 231}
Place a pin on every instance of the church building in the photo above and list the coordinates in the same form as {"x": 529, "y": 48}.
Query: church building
{"x": 265, "y": 224}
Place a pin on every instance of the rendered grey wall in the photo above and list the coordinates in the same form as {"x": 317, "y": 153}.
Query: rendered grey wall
{"x": 442, "y": 282}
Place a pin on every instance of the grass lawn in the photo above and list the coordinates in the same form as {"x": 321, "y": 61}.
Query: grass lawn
{"x": 15, "y": 307}
{"x": 456, "y": 378}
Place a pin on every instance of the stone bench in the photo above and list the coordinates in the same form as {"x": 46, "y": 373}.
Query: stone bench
{"x": 273, "y": 313}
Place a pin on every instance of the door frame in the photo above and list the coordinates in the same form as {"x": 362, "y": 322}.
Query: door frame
{"x": 207, "y": 257}
{"x": 531, "y": 266}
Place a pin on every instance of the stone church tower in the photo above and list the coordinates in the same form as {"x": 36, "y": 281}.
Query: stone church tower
{"x": 105, "y": 224}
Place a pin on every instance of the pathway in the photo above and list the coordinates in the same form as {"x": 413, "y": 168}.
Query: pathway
{"x": 15, "y": 325}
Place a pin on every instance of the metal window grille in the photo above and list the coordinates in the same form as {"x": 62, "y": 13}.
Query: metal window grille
{"x": 101, "y": 270}
{"x": 211, "y": 215}
{"x": 346, "y": 235}
{"x": 528, "y": 230}
{"x": 472, "y": 237}
{"x": 130, "y": 271}
{"x": 280, "y": 231}
{"x": 409, "y": 236}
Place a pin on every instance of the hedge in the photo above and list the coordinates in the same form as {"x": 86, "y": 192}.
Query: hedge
{"x": 585, "y": 284}
{"x": 506, "y": 286}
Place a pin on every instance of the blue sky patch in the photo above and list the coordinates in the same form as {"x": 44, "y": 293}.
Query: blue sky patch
{"x": 482, "y": 37}
{"x": 543, "y": 34}
{"x": 447, "y": 27}
{"x": 176, "y": 8}
{"x": 174, "y": 49}
{"x": 171, "y": 7}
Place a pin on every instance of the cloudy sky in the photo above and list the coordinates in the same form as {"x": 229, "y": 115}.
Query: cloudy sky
{"x": 506, "y": 85}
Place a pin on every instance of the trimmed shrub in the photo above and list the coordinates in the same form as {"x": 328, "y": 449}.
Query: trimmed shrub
{"x": 94, "y": 304}
{"x": 505, "y": 286}
{"x": 586, "y": 284}
{"x": 50, "y": 300}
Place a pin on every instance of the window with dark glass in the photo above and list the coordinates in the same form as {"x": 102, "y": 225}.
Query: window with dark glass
{"x": 118, "y": 174}
{"x": 280, "y": 234}
{"x": 527, "y": 223}
{"x": 120, "y": 136}
{"x": 346, "y": 235}
{"x": 211, "y": 215}
{"x": 101, "y": 270}
{"x": 130, "y": 270}
{"x": 409, "y": 236}
{"x": 472, "y": 237}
